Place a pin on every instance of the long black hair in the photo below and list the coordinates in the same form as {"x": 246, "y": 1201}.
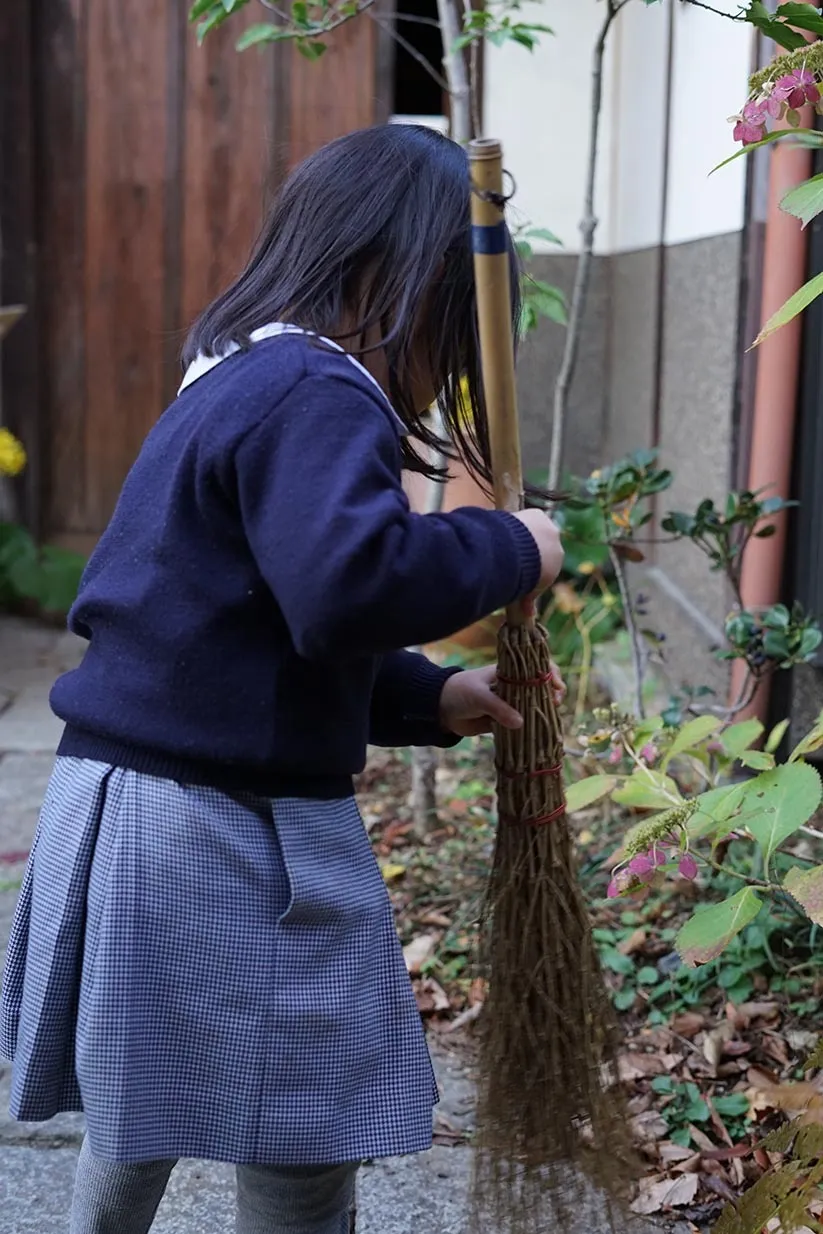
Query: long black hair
{"x": 377, "y": 225}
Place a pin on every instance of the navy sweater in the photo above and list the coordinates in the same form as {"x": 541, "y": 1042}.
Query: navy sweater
{"x": 247, "y": 606}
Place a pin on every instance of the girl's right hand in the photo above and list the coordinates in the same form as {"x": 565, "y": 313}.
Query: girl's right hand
{"x": 547, "y": 538}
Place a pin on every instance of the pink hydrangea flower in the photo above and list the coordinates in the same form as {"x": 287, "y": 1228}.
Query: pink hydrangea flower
{"x": 687, "y": 867}
{"x": 648, "y": 754}
{"x": 751, "y": 124}
{"x": 615, "y": 756}
{"x": 641, "y": 864}
{"x": 795, "y": 89}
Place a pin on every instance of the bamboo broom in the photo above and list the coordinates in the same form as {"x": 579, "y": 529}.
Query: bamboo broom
{"x": 551, "y": 1129}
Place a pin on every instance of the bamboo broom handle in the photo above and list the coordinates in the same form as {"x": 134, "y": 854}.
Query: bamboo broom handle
{"x": 492, "y": 279}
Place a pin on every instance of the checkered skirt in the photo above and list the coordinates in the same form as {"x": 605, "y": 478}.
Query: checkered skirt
{"x": 211, "y": 976}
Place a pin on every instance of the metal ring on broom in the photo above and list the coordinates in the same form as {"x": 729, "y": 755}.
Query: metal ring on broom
{"x": 551, "y": 1127}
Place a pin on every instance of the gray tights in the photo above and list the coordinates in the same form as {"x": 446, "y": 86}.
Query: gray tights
{"x": 114, "y": 1198}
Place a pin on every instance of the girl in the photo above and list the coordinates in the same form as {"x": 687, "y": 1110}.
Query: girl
{"x": 203, "y": 957}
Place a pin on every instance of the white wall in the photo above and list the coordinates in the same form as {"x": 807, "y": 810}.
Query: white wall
{"x": 712, "y": 62}
{"x": 538, "y": 105}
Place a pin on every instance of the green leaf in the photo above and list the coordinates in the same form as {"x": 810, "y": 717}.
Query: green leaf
{"x": 715, "y": 809}
{"x": 709, "y": 931}
{"x": 729, "y": 977}
{"x": 801, "y": 137}
{"x": 795, "y": 304}
{"x": 697, "y": 1111}
{"x": 740, "y": 992}
{"x": 680, "y": 1135}
{"x": 691, "y": 735}
{"x": 805, "y": 201}
{"x": 648, "y": 975}
{"x": 775, "y": 645}
{"x": 758, "y": 760}
{"x": 806, "y": 886}
{"x": 778, "y": 802}
{"x": 311, "y": 49}
{"x": 262, "y": 32}
{"x": 201, "y": 7}
{"x": 663, "y": 1084}
{"x": 543, "y": 233}
{"x": 810, "y": 640}
{"x": 215, "y": 17}
{"x": 585, "y": 792}
{"x": 616, "y": 962}
{"x": 733, "y": 1105}
{"x": 740, "y": 736}
{"x": 810, "y": 743}
{"x": 646, "y": 789}
{"x": 776, "y": 617}
{"x": 776, "y": 736}
{"x": 759, "y": 16}
{"x": 803, "y": 16}
{"x": 625, "y": 999}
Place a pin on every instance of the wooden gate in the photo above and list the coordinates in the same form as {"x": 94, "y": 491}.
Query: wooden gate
{"x": 147, "y": 163}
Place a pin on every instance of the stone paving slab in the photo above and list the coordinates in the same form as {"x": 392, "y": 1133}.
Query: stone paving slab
{"x": 412, "y": 1195}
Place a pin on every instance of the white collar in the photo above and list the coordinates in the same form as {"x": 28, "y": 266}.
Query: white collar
{"x": 202, "y": 364}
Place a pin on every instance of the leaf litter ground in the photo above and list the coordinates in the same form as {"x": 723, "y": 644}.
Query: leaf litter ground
{"x": 713, "y": 1058}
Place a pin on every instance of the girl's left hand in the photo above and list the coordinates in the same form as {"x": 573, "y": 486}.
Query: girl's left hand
{"x": 469, "y": 704}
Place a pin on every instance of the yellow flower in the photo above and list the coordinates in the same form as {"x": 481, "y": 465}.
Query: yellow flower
{"x": 596, "y": 474}
{"x": 566, "y": 599}
{"x": 586, "y": 567}
{"x": 622, "y": 517}
{"x": 12, "y": 454}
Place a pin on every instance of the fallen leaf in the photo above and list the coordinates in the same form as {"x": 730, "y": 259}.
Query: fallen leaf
{"x": 419, "y": 950}
{"x": 714, "y": 1042}
{"x": 701, "y": 1139}
{"x": 477, "y": 992}
{"x": 465, "y": 1017}
{"x": 735, "y": 1049}
{"x": 634, "y": 1066}
{"x": 431, "y": 997}
{"x": 717, "y": 1184}
{"x": 760, "y": 1079}
{"x": 753, "y": 1011}
{"x": 393, "y": 832}
{"x": 774, "y": 1047}
{"x": 436, "y": 919}
{"x": 655, "y": 1196}
{"x": 634, "y": 942}
{"x": 391, "y": 871}
{"x": 801, "y": 1041}
{"x": 649, "y": 1126}
{"x": 718, "y": 1124}
{"x": 690, "y": 1166}
{"x": 670, "y": 1153}
{"x": 689, "y": 1024}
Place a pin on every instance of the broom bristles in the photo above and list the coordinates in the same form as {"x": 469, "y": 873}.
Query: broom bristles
{"x": 552, "y": 1130}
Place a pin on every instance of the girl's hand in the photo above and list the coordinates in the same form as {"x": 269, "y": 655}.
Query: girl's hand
{"x": 547, "y": 538}
{"x": 469, "y": 704}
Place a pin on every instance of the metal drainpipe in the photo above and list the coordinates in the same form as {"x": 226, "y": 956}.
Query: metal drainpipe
{"x": 776, "y": 391}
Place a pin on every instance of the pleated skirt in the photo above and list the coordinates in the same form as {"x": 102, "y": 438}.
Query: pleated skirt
{"x": 211, "y": 976}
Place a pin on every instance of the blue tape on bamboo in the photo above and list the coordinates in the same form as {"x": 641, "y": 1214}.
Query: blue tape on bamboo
{"x": 490, "y": 240}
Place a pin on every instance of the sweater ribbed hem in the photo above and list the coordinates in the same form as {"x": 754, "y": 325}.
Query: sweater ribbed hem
{"x": 226, "y": 777}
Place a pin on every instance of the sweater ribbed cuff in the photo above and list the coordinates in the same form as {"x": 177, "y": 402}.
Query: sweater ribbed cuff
{"x": 528, "y": 553}
{"x": 425, "y": 685}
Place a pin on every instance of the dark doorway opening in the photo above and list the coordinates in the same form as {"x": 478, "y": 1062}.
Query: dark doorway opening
{"x": 416, "y": 92}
